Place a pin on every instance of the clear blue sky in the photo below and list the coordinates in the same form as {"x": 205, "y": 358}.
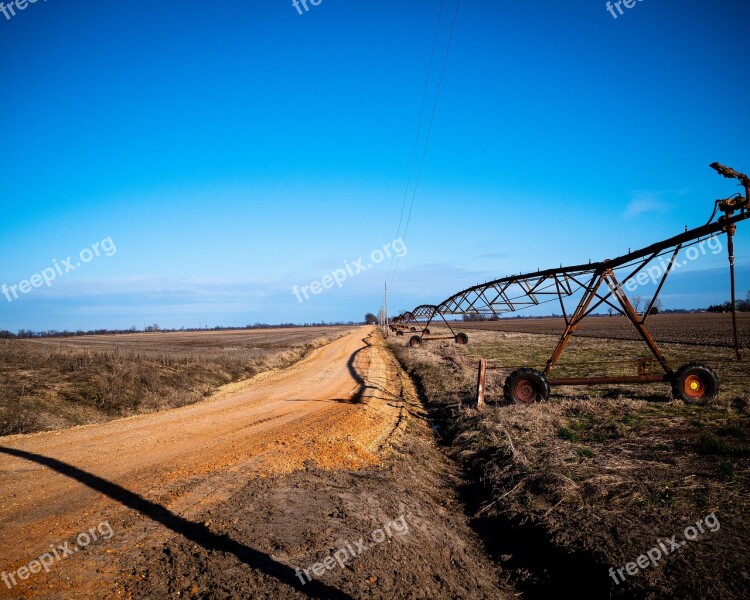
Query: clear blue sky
{"x": 232, "y": 150}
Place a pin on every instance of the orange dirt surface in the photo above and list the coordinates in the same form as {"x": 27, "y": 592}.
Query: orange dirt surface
{"x": 338, "y": 407}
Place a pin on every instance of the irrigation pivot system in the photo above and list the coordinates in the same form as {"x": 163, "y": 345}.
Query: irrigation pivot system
{"x": 591, "y": 286}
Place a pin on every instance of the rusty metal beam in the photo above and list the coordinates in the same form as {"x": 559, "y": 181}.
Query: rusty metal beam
{"x": 606, "y": 380}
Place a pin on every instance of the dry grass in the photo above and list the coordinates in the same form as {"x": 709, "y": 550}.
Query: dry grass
{"x": 603, "y": 470}
{"x": 60, "y": 382}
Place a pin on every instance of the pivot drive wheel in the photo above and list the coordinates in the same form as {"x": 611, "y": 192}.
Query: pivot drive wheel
{"x": 526, "y": 386}
{"x": 426, "y": 332}
{"x": 695, "y": 383}
{"x": 415, "y": 341}
{"x": 462, "y": 338}
{"x": 399, "y": 332}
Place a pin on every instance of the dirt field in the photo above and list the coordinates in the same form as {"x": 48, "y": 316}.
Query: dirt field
{"x": 188, "y": 343}
{"x": 228, "y": 497}
{"x": 697, "y": 328}
{"x": 54, "y": 383}
{"x": 562, "y": 492}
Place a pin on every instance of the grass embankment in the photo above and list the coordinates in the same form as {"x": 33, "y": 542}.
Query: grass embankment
{"x": 565, "y": 490}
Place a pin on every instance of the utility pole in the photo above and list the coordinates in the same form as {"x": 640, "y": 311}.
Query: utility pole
{"x": 386, "y": 309}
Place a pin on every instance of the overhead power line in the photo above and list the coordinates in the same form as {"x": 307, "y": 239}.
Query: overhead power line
{"x": 419, "y": 125}
{"x": 429, "y": 130}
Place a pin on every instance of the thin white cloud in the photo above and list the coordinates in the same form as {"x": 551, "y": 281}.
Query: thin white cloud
{"x": 153, "y": 286}
{"x": 645, "y": 201}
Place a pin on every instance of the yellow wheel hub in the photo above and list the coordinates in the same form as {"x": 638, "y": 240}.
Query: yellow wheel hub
{"x": 694, "y": 386}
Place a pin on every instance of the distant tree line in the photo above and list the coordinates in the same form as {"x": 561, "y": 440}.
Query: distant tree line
{"x": 481, "y": 317}
{"x": 740, "y": 305}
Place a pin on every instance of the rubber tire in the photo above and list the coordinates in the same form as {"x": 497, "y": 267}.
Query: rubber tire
{"x": 413, "y": 329}
{"x": 536, "y": 379}
{"x": 426, "y": 332}
{"x": 462, "y": 338}
{"x": 399, "y": 332}
{"x": 415, "y": 342}
{"x": 708, "y": 378}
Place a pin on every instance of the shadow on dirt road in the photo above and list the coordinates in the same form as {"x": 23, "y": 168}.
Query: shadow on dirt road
{"x": 194, "y": 532}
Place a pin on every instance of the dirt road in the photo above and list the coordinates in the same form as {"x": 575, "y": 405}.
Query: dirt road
{"x": 147, "y": 476}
